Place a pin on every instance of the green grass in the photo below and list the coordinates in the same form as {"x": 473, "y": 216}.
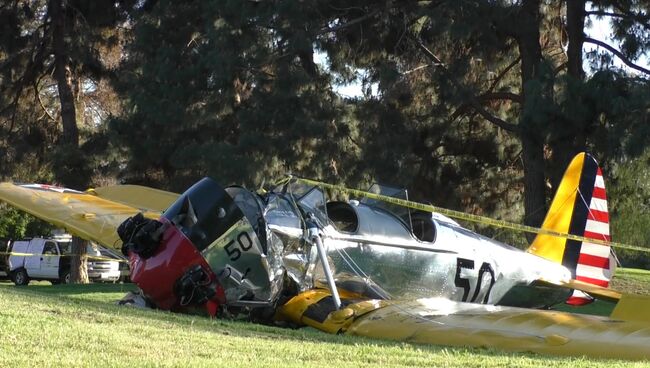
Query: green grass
{"x": 627, "y": 280}
{"x": 80, "y": 325}
{"x": 632, "y": 281}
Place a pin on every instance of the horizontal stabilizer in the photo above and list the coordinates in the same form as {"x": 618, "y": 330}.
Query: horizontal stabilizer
{"x": 632, "y": 308}
{"x": 594, "y": 291}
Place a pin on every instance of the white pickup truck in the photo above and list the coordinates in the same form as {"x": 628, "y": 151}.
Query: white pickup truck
{"x": 49, "y": 259}
{"x": 110, "y": 265}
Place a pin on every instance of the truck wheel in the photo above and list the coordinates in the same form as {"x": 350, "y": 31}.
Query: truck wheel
{"x": 65, "y": 279}
{"x": 20, "y": 277}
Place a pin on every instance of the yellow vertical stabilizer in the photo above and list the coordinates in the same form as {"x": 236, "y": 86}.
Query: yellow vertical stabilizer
{"x": 559, "y": 216}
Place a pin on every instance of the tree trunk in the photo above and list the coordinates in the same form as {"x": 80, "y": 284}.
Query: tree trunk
{"x": 575, "y": 14}
{"x": 70, "y": 138}
{"x": 79, "y": 266}
{"x": 534, "y": 188}
{"x": 63, "y": 75}
{"x": 570, "y": 138}
{"x": 530, "y": 130}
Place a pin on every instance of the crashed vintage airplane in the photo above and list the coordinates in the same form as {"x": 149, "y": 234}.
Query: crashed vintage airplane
{"x": 363, "y": 267}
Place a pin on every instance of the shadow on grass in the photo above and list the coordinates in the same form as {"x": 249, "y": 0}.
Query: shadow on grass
{"x": 597, "y": 308}
{"x": 72, "y": 289}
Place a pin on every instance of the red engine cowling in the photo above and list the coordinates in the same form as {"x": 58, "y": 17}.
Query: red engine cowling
{"x": 160, "y": 276}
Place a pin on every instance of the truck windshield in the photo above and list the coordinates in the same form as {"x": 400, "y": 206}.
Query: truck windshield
{"x": 65, "y": 247}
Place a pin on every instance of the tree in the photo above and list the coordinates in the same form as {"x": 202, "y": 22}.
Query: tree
{"x": 477, "y": 102}
{"x": 502, "y": 64}
{"x": 230, "y": 90}
{"x": 56, "y": 50}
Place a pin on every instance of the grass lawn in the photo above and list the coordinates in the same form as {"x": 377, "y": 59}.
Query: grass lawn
{"x": 80, "y": 325}
{"x": 632, "y": 281}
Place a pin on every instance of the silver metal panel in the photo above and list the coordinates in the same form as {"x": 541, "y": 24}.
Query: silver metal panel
{"x": 382, "y": 258}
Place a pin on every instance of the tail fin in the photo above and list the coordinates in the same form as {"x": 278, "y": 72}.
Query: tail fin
{"x": 579, "y": 208}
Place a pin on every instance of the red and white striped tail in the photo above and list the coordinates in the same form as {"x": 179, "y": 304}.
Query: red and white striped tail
{"x": 595, "y": 265}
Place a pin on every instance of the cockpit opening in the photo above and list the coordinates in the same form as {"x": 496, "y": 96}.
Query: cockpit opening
{"x": 343, "y": 216}
{"x": 423, "y": 227}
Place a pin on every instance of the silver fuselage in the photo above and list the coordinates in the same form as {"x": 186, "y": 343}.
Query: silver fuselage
{"x": 457, "y": 263}
{"x": 371, "y": 251}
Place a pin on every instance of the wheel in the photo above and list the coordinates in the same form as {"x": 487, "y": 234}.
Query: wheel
{"x": 65, "y": 279}
{"x": 20, "y": 277}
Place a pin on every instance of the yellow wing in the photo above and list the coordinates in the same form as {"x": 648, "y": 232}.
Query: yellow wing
{"x": 145, "y": 198}
{"x": 94, "y": 214}
{"x": 440, "y": 321}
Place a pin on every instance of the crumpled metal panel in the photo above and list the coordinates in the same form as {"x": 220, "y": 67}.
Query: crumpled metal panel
{"x": 298, "y": 256}
{"x": 253, "y": 274}
{"x": 242, "y": 269}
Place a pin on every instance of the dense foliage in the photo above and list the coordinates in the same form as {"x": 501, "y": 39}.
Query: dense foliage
{"x": 473, "y": 105}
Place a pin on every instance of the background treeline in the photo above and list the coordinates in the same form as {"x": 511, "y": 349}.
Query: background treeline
{"x": 472, "y": 105}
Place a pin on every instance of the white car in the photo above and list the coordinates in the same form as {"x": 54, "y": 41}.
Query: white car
{"x": 39, "y": 259}
{"x": 109, "y": 266}
{"x": 49, "y": 259}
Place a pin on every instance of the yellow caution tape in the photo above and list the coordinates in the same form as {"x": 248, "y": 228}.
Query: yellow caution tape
{"x": 92, "y": 258}
{"x": 467, "y": 216}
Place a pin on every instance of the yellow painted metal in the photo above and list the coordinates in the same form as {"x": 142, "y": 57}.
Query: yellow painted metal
{"x": 633, "y": 308}
{"x": 86, "y": 215}
{"x": 558, "y": 218}
{"x": 338, "y": 320}
{"x": 443, "y": 322}
{"x": 144, "y": 198}
{"x": 440, "y": 321}
{"x": 597, "y": 292}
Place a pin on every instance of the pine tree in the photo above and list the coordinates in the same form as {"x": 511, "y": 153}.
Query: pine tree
{"x": 50, "y": 53}
{"x": 478, "y": 105}
{"x": 230, "y": 90}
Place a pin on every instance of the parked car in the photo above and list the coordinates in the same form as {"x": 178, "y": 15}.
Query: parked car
{"x": 123, "y": 264}
{"x": 39, "y": 259}
{"x": 109, "y": 266}
{"x": 49, "y": 259}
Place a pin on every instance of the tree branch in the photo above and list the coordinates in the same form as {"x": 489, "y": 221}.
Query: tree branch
{"x": 493, "y": 119}
{"x": 350, "y": 23}
{"x": 473, "y": 102}
{"x": 28, "y": 75}
{"x": 636, "y": 17}
{"x": 503, "y": 73}
{"x": 40, "y": 101}
{"x": 605, "y": 14}
{"x": 619, "y": 54}
{"x": 430, "y": 55}
{"x": 490, "y": 96}
{"x": 417, "y": 68}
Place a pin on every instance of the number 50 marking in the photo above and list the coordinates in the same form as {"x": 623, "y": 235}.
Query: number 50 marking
{"x": 244, "y": 243}
{"x": 464, "y": 283}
